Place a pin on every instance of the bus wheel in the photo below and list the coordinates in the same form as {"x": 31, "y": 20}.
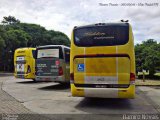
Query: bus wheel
{"x": 34, "y": 80}
{"x": 64, "y": 83}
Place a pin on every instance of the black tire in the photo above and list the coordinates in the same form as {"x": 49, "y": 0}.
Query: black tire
{"x": 34, "y": 80}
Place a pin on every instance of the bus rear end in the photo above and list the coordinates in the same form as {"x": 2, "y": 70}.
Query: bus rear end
{"x": 102, "y": 61}
{"x": 24, "y": 63}
{"x": 49, "y": 64}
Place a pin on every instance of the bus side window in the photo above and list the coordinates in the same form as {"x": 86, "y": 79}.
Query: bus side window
{"x": 67, "y": 55}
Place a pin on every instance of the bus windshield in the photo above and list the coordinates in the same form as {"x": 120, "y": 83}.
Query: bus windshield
{"x": 106, "y": 35}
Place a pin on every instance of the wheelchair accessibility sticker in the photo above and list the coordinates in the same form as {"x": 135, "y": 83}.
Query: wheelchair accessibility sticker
{"x": 80, "y": 67}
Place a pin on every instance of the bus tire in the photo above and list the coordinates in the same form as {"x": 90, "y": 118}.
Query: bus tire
{"x": 34, "y": 80}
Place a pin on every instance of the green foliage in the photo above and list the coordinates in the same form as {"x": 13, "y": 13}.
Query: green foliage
{"x": 41, "y": 36}
{"x": 57, "y": 38}
{"x": 14, "y": 34}
{"x": 2, "y": 44}
{"x": 36, "y": 32}
{"x": 148, "y": 56}
{"x": 16, "y": 38}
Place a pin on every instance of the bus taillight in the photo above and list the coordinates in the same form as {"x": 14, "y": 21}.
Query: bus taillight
{"x": 132, "y": 78}
{"x": 60, "y": 71}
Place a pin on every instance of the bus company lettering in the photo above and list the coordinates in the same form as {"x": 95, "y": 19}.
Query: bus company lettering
{"x": 94, "y": 34}
{"x": 21, "y": 51}
{"x": 41, "y": 65}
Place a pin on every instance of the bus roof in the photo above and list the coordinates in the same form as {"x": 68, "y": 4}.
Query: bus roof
{"x": 46, "y": 46}
{"x": 103, "y": 24}
{"x": 24, "y": 51}
{"x": 26, "y": 48}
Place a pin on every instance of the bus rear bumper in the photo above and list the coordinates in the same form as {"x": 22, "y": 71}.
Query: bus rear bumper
{"x": 25, "y": 76}
{"x": 50, "y": 78}
{"x": 104, "y": 92}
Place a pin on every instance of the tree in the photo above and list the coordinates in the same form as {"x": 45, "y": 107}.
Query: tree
{"x": 14, "y": 34}
{"x": 57, "y": 38}
{"x": 16, "y": 38}
{"x": 36, "y": 32}
{"x": 10, "y": 20}
{"x": 2, "y": 44}
{"x": 148, "y": 56}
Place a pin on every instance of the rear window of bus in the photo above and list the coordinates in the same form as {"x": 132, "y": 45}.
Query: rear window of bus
{"x": 106, "y": 35}
{"x": 55, "y": 52}
{"x": 34, "y": 53}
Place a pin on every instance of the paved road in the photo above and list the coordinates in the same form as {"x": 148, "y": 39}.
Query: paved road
{"x": 8, "y": 104}
{"x": 53, "y": 98}
{"x": 12, "y": 109}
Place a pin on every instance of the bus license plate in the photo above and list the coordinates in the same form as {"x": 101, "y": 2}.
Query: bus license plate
{"x": 101, "y": 86}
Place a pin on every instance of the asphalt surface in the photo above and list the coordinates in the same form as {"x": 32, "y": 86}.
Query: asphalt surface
{"x": 12, "y": 109}
{"x": 9, "y": 104}
{"x": 54, "y": 101}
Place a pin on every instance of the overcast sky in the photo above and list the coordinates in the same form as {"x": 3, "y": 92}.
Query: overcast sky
{"x": 63, "y": 15}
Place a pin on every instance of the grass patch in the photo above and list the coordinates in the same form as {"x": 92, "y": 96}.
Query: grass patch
{"x": 157, "y": 74}
{"x": 147, "y": 82}
{"x": 147, "y": 73}
{"x": 141, "y": 73}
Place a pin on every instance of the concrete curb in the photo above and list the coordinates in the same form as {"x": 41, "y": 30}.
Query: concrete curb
{"x": 6, "y": 74}
{"x": 149, "y": 85}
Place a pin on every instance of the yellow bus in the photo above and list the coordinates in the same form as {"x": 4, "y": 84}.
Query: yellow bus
{"x": 102, "y": 61}
{"x": 24, "y": 63}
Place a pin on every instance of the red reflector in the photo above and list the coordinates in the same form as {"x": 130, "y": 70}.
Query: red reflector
{"x": 60, "y": 71}
{"x": 57, "y": 62}
{"x": 132, "y": 77}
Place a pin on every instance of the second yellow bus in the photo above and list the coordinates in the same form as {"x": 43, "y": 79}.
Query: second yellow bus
{"x": 103, "y": 61}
